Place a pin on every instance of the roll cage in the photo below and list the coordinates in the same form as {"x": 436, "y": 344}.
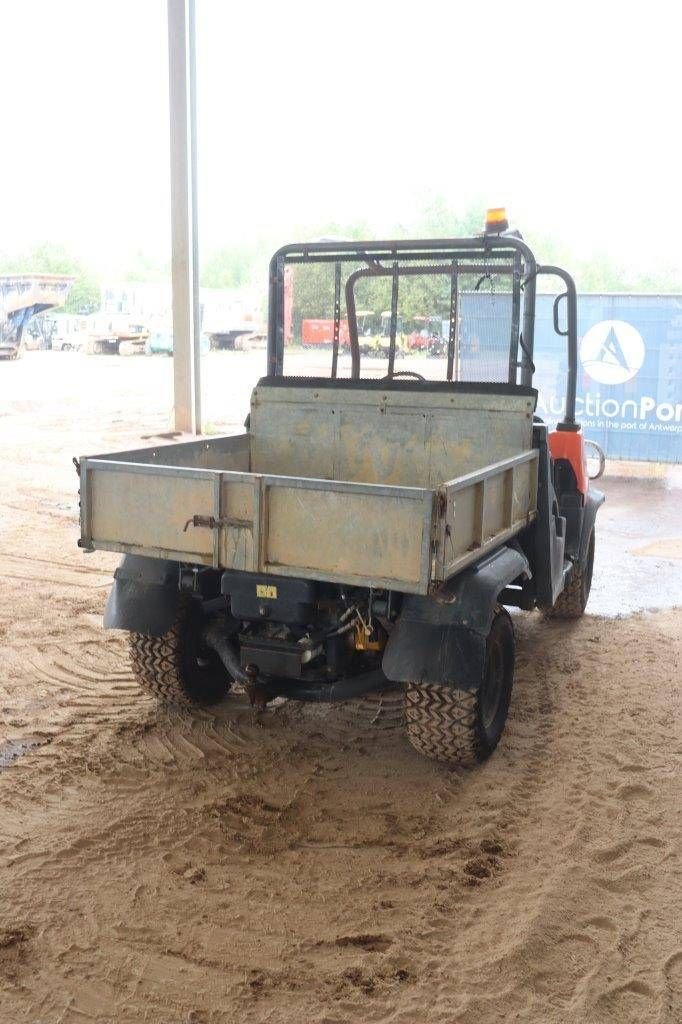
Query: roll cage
{"x": 478, "y": 257}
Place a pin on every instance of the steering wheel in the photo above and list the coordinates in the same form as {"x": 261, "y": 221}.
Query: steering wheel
{"x": 404, "y": 373}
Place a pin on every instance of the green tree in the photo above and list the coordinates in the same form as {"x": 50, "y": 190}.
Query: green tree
{"x": 234, "y": 266}
{"x": 84, "y": 297}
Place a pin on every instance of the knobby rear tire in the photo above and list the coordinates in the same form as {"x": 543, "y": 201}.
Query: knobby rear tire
{"x": 175, "y": 668}
{"x": 462, "y": 727}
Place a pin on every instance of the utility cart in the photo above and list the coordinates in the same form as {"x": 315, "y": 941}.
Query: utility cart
{"x": 369, "y": 527}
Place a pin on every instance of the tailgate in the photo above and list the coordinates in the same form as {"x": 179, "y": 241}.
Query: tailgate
{"x": 363, "y": 534}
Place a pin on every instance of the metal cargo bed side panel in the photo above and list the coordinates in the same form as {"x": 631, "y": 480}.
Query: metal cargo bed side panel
{"x": 369, "y": 535}
{"x": 230, "y": 452}
{"x": 139, "y": 501}
{"x": 484, "y": 509}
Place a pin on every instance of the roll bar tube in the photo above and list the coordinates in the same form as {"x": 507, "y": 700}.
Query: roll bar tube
{"x": 571, "y": 334}
{"x": 392, "y": 272}
{"x": 373, "y": 253}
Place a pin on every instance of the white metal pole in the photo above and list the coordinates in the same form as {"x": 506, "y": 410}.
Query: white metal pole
{"x": 184, "y": 238}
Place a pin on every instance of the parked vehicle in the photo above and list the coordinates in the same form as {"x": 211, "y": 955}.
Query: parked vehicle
{"x": 426, "y": 335}
{"x": 22, "y": 297}
{"x": 69, "y": 333}
{"x": 115, "y": 334}
{"x": 236, "y": 338}
{"x": 381, "y": 341}
{"x": 362, "y": 533}
{"x": 160, "y": 342}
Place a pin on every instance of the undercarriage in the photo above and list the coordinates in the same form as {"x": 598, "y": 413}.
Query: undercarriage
{"x": 309, "y": 640}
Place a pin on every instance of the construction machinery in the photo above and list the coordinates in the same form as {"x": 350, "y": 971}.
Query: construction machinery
{"x": 22, "y": 296}
{"x": 115, "y": 334}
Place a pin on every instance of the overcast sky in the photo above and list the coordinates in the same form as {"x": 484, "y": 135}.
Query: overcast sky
{"x": 567, "y": 113}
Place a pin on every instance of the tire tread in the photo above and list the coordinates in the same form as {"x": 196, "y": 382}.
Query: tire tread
{"x": 158, "y": 666}
{"x": 441, "y": 723}
{"x": 569, "y": 603}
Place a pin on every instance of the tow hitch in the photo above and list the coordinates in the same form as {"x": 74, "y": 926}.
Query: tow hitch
{"x": 261, "y": 690}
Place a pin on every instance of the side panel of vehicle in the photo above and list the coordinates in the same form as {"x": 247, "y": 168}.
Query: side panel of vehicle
{"x": 548, "y": 539}
{"x": 566, "y": 516}
{"x": 321, "y": 332}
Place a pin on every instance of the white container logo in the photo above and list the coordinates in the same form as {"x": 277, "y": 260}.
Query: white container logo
{"x": 612, "y": 351}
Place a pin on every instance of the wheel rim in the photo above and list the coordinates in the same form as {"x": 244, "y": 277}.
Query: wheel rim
{"x": 493, "y": 684}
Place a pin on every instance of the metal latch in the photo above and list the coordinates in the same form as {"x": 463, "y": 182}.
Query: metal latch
{"x": 211, "y": 523}
{"x": 207, "y": 521}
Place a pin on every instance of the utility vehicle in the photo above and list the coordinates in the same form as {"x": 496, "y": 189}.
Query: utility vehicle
{"x": 364, "y": 532}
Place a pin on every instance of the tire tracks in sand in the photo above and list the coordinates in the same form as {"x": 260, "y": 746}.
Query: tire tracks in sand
{"x": 307, "y": 864}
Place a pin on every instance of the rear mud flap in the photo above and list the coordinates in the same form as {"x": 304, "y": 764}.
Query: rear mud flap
{"x": 442, "y": 638}
{"x": 145, "y": 596}
{"x": 420, "y": 652}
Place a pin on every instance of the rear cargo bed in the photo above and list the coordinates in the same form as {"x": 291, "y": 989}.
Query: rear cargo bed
{"x": 348, "y": 481}
{"x": 407, "y": 538}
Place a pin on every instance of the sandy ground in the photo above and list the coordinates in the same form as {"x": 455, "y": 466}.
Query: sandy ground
{"x": 307, "y": 865}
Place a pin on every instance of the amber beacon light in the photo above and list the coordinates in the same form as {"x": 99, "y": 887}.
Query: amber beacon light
{"x": 496, "y": 220}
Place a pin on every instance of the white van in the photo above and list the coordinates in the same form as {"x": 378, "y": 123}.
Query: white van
{"x": 69, "y": 334}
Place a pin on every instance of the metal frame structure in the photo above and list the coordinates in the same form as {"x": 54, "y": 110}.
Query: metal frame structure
{"x": 505, "y": 252}
{"x": 381, "y": 259}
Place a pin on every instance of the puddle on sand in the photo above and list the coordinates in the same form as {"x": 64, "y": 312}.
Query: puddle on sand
{"x": 637, "y": 563}
{"x": 661, "y": 549}
{"x": 11, "y": 750}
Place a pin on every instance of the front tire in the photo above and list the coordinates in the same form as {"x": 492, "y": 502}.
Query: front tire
{"x": 572, "y": 601}
{"x": 176, "y": 668}
{"x": 463, "y": 727}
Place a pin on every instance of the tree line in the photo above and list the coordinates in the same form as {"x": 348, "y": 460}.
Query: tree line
{"x": 245, "y": 263}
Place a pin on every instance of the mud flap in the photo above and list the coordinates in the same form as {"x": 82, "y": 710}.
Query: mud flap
{"x": 442, "y": 638}
{"x": 145, "y": 596}
{"x": 593, "y": 502}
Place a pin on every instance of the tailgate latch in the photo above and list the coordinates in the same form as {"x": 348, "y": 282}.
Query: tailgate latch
{"x": 208, "y": 522}
{"x": 211, "y": 523}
